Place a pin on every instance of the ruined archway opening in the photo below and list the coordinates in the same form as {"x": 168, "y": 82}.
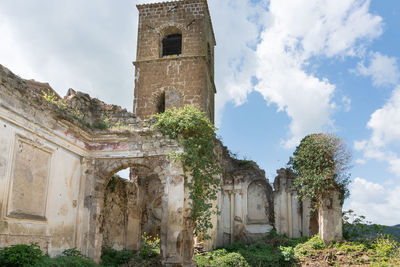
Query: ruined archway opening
{"x": 132, "y": 210}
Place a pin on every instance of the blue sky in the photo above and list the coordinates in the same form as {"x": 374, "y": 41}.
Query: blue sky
{"x": 284, "y": 69}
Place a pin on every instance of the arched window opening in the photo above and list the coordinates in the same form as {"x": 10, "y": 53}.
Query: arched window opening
{"x": 161, "y": 103}
{"x": 132, "y": 209}
{"x": 172, "y": 45}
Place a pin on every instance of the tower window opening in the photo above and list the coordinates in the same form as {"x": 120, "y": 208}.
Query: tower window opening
{"x": 161, "y": 103}
{"x": 172, "y": 45}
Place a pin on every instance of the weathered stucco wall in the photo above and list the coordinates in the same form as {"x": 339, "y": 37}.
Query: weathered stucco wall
{"x": 55, "y": 165}
{"x": 330, "y": 218}
{"x": 246, "y": 201}
{"x": 292, "y": 216}
{"x": 30, "y": 197}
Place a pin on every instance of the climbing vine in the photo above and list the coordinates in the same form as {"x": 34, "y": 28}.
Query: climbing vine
{"x": 196, "y": 134}
{"x": 321, "y": 163}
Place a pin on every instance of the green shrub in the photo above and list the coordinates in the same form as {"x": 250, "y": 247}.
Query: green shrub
{"x": 315, "y": 243}
{"x": 111, "y": 257}
{"x": 287, "y": 253}
{"x": 202, "y": 260}
{"x": 386, "y": 246}
{"x": 66, "y": 261}
{"x": 73, "y": 252}
{"x": 20, "y": 255}
{"x": 263, "y": 253}
{"x": 232, "y": 259}
{"x": 218, "y": 253}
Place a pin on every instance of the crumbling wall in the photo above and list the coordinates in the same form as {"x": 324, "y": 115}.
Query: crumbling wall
{"x": 330, "y": 217}
{"x": 132, "y": 209}
{"x": 95, "y": 114}
{"x": 246, "y": 202}
{"x": 292, "y": 216}
{"x": 121, "y": 215}
{"x": 55, "y": 165}
{"x": 39, "y": 171}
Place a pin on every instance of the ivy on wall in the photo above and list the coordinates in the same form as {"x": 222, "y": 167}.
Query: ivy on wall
{"x": 196, "y": 134}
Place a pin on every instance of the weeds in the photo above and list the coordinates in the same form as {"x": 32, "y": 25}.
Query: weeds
{"x": 150, "y": 247}
{"x": 49, "y": 96}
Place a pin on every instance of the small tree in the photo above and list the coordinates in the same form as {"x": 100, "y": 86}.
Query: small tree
{"x": 321, "y": 163}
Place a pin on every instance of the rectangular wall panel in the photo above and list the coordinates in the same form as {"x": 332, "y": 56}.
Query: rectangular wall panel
{"x": 28, "y": 191}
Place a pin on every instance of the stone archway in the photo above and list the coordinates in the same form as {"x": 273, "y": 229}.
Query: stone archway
{"x": 173, "y": 222}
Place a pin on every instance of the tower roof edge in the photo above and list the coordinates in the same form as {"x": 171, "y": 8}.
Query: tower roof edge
{"x": 157, "y": 4}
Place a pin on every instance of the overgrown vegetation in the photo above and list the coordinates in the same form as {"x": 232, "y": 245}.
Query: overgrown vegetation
{"x": 273, "y": 250}
{"x": 321, "y": 163}
{"x": 365, "y": 247}
{"x": 32, "y": 256}
{"x": 114, "y": 258}
{"x": 20, "y": 255}
{"x": 276, "y": 250}
{"x": 356, "y": 227}
{"x": 196, "y": 134}
{"x": 103, "y": 123}
{"x": 147, "y": 256}
{"x": 150, "y": 247}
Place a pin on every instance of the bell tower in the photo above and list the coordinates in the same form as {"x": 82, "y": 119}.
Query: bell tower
{"x": 174, "y": 63}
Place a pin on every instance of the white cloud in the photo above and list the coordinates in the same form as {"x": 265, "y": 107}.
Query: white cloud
{"x": 394, "y": 165}
{"x": 346, "y": 103}
{"x": 299, "y": 31}
{"x": 90, "y": 48}
{"x": 382, "y": 69}
{"x": 385, "y": 126}
{"x": 385, "y": 122}
{"x": 379, "y": 204}
{"x": 236, "y": 24}
{"x": 72, "y": 44}
{"x": 361, "y": 161}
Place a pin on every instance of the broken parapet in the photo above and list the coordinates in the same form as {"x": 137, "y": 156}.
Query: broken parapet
{"x": 96, "y": 114}
{"x": 76, "y": 107}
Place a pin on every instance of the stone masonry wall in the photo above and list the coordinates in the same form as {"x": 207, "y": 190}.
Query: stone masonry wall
{"x": 186, "y": 79}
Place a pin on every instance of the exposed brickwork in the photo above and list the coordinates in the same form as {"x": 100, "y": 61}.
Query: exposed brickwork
{"x": 186, "y": 79}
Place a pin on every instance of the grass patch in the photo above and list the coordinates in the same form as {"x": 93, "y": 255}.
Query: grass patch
{"x": 277, "y": 250}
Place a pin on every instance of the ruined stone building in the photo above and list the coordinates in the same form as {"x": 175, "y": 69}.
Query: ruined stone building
{"x": 59, "y": 157}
